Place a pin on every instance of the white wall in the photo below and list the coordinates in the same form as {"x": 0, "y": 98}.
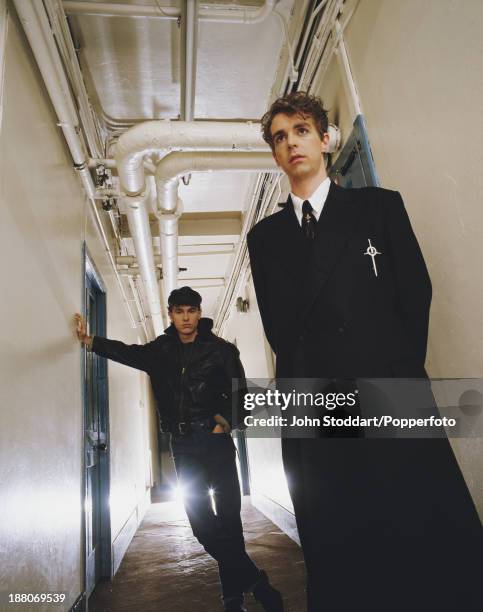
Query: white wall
{"x": 417, "y": 66}
{"x": 267, "y": 478}
{"x": 44, "y": 220}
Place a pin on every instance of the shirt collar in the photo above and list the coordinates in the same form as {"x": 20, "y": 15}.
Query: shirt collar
{"x": 317, "y": 200}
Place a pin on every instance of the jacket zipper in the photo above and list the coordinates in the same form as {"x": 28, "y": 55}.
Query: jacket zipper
{"x": 183, "y": 370}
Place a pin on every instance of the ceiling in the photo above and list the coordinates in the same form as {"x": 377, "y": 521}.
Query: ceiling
{"x": 132, "y": 71}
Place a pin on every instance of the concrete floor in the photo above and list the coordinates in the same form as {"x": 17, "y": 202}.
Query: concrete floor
{"x": 166, "y": 570}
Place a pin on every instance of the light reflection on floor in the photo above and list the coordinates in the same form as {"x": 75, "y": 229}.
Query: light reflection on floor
{"x": 165, "y": 568}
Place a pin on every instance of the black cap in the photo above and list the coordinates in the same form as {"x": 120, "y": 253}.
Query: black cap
{"x": 184, "y": 296}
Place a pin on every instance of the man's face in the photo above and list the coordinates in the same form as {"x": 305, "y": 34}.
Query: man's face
{"x": 297, "y": 146}
{"x": 185, "y": 318}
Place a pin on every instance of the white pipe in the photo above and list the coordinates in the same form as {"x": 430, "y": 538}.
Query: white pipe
{"x": 105, "y": 9}
{"x": 139, "y": 308}
{"x": 87, "y": 182}
{"x": 239, "y": 14}
{"x": 168, "y": 235}
{"x": 165, "y": 136}
{"x": 37, "y": 30}
{"x": 232, "y": 14}
{"x": 168, "y": 172}
{"x": 129, "y": 272}
{"x": 314, "y": 14}
{"x": 324, "y": 51}
{"x": 175, "y": 165}
{"x": 330, "y": 49}
{"x": 190, "y": 48}
{"x": 131, "y": 260}
{"x": 344, "y": 62}
{"x": 318, "y": 43}
{"x": 285, "y": 32}
{"x": 36, "y": 26}
{"x": 138, "y": 220}
{"x": 59, "y": 28}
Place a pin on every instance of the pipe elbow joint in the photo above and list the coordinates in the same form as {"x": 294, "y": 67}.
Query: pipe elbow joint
{"x": 165, "y": 214}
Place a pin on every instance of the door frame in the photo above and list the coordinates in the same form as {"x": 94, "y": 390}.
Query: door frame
{"x": 356, "y": 154}
{"x": 92, "y": 279}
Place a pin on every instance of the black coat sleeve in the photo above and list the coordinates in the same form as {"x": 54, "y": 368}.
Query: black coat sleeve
{"x": 260, "y": 282}
{"x": 137, "y": 356}
{"x": 413, "y": 284}
{"x": 233, "y": 404}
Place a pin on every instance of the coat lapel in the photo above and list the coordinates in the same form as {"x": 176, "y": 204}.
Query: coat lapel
{"x": 336, "y": 223}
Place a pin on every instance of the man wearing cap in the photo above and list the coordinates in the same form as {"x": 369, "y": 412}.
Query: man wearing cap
{"x": 191, "y": 371}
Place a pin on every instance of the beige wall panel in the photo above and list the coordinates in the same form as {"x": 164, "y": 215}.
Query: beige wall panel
{"x": 417, "y": 67}
{"x": 267, "y": 477}
{"x": 335, "y": 102}
{"x": 41, "y": 412}
{"x": 44, "y": 219}
{"x": 153, "y": 436}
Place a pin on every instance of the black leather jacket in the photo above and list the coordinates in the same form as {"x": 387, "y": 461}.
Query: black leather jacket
{"x": 205, "y": 387}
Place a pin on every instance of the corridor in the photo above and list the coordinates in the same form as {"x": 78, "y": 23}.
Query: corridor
{"x": 135, "y": 160}
{"x": 165, "y": 569}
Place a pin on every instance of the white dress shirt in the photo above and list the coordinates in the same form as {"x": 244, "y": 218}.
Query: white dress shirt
{"x": 317, "y": 200}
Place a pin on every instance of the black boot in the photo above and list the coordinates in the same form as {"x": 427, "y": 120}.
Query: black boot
{"x": 264, "y": 593}
{"x": 234, "y": 604}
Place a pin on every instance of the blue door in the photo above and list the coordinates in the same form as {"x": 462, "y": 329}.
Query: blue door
{"x": 96, "y": 434}
{"x": 354, "y": 166}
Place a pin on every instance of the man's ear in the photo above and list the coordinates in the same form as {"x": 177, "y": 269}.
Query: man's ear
{"x": 325, "y": 142}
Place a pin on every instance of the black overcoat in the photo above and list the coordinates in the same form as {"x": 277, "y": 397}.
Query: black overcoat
{"x": 330, "y": 300}
{"x": 385, "y": 524}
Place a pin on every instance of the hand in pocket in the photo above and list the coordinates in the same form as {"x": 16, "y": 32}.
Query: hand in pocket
{"x": 222, "y": 425}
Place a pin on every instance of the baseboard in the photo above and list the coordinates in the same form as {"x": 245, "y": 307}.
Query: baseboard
{"x": 283, "y": 518}
{"x": 123, "y": 539}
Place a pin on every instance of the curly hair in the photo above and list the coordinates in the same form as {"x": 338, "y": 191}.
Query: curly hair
{"x": 299, "y": 102}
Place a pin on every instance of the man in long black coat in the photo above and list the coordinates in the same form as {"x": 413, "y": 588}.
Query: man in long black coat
{"x": 343, "y": 292}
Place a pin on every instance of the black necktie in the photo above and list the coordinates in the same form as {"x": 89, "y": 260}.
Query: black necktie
{"x": 308, "y": 220}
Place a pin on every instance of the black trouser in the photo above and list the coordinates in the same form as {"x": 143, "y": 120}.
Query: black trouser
{"x": 204, "y": 461}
